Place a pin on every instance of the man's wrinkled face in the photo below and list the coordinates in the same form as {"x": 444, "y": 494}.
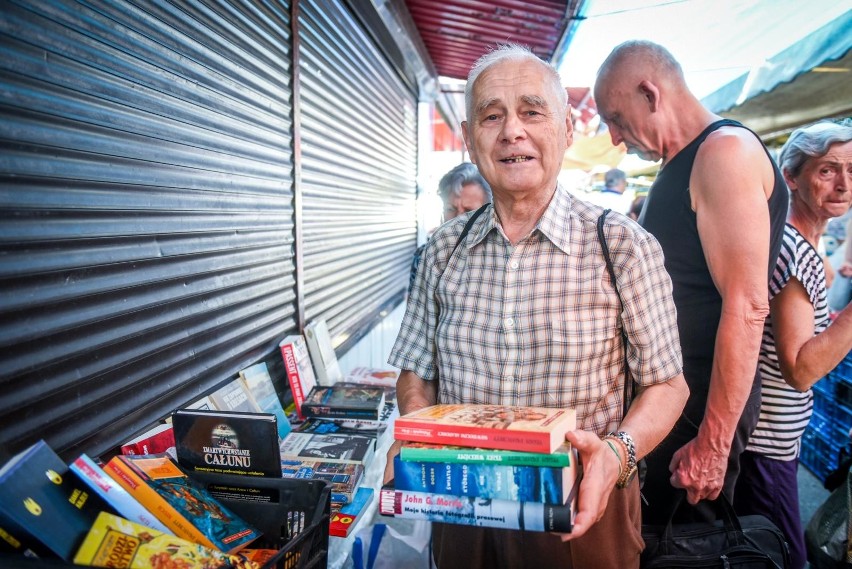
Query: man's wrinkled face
{"x": 471, "y": 197}
{"x": 518, "y": 133}
{"x": 626, "y": 114}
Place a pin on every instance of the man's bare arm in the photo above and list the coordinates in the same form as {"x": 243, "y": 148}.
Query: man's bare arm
{"x": 412, "y": 393}
{"x": 729, "y": 188}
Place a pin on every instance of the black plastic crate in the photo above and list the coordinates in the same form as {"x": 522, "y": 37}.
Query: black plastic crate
{"x": 294, "y": 520}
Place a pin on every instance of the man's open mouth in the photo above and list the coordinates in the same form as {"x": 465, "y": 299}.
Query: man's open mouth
{"x": 516, "y": 159}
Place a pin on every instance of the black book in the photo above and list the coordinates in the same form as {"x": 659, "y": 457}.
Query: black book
{"x": 225, "y": 442}
{"x": 345, "y": 401}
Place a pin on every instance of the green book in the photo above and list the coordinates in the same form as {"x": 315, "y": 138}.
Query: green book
{"x": 425, "y": 452}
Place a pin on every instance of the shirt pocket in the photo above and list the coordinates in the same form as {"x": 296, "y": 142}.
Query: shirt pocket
{"x": 582, "y": 345}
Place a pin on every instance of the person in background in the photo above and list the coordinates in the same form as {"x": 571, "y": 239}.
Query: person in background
{"x": 461, "y": 190}
{"x": 522, "y": 312}
{"x": 799, "y": 347}
{"x": 717, "y": 208}
{"x": 612, "y": 195}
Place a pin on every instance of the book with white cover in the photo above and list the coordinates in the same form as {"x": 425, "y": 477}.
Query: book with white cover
{"x": 325, "y": 362}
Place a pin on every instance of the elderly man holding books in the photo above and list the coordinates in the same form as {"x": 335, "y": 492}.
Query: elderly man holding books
{"x": 519, "y": 309}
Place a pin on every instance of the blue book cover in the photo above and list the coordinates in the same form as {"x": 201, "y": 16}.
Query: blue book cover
{"x": 259, "y": 383}
{"x": 499, "y": 482}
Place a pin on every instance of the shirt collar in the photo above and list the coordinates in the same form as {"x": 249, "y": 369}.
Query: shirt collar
{"x": 554, "y": 223}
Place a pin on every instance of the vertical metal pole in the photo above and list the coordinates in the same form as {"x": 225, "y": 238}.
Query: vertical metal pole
{"x": 295, "y": 54}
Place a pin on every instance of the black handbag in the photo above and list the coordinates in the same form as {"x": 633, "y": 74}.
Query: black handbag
{"x": 745, "y": 542}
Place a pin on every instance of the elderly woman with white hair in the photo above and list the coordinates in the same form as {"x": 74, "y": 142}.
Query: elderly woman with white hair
{"x": 799, "y": 346}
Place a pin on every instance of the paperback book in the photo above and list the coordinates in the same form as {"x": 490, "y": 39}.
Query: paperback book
{"x": 337, "y": 447}
{"x": 519, "y": 483}
{"x": 345, "y": 426}
{"x": 155, "y": 440}
{"x": 342, "y": 478}
{"x": 259, "y": 384}
{"x": 425, "y": 452}
{"x": 528, "y": 429}
{"x": 373, "y": 376}
{"x": 227, "y": 443}
{"x": 111, "y": 492}
{"x": 234, "y": 397}
{"x": 41, "y": 502}
{"x": 345, "y": 401}
{"x": 344, "y": 519}
{"x": 183, "y": 506}
{"x": 472, "y": 511}
{"x": 324, "y": 358}
{"x": 121, "y": 544}
{"x": 300, "y": 371}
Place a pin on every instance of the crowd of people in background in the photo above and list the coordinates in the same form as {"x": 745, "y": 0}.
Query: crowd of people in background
{"x": 719, "y": 288}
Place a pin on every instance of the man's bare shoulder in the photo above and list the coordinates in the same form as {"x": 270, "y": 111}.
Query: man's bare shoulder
{"x": 730, "y": 161}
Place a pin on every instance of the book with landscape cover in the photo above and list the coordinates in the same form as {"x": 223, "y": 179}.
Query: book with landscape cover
{"x": 336, "y": 447}
{"x": 345, "y": 401}
{"x": 343, "y": 478}
{"x": 472, "y": 511}
{"x": 300, "y": 371}
{"x": 118, "y": 543}
{"x": 259, "y": 383}
{"x": 519, "y": 483}
{"x": 528, "y": 429}
{"x": 104, "y": 486}
{"x": 326, "y": 366}
{"x": 41, "y": 502}
{"x": 184, "y": 506}
{"x": 425, "y": 452}
{"x": 227, "y": 443}
{"x": 345, "y": 426}
{"x": 234, "y": 397}
{"x": 344, "y": 519}
{"x": 155, "y": 440}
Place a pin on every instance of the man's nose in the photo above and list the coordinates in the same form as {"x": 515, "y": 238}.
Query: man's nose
{"x": 513, "y": 128}
{"x": 615, "y": 136}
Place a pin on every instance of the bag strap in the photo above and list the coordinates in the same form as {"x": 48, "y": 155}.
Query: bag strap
{"x": 467, "y": 227}
{"x": 628, "y": 383}
{"x": 724, "y": 511}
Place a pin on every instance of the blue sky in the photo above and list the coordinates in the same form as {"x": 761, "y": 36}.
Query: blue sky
{"x": 714, "y": 40}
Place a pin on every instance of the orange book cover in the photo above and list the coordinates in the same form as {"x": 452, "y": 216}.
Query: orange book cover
{"x": 184, "y": 507}
{"x": 504, "y": 427}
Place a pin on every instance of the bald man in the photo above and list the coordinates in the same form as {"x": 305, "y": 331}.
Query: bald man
{"x": 717, "y": 208}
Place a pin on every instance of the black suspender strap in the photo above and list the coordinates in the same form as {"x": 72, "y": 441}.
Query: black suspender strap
{"x": 467, "y": 227}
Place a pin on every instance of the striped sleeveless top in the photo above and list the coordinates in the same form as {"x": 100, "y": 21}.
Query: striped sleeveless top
{"x": 785, "y": 412}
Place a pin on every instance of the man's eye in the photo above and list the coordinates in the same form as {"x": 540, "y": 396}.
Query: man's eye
{"x": 491, "y": 118}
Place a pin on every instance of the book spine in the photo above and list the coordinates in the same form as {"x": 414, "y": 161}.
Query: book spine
{"x": 138, "y": 487}
{"x": 289, "y": 356}
{"x": 520, "y": 483}
{"x": 461, "y": 510}
{"x": 483, "y": 456}
{"x": 463, "y": 435}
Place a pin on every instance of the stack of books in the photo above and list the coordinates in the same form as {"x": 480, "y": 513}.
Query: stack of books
{"x": 485, "y": 465}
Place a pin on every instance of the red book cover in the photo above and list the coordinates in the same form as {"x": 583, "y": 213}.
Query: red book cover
{"x": 300, "y": 372}
{"x": 154, "y": 441}
{"x": 530, "y": 429}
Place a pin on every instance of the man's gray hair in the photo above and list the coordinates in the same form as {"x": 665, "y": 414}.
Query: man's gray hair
{"x": 613, "y": 177}
{"x": 513, "y": 52}
{"x": 812, "y": 142}
{"x": 463, "y": 174}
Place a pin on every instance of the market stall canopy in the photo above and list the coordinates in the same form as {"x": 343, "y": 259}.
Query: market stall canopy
{"x": 810, "y": 80}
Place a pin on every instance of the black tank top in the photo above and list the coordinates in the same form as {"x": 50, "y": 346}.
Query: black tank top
{"x": 669, "y": 217}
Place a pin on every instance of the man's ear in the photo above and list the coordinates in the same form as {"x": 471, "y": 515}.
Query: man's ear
{"x": 651, "y": 94}
{"x": 467, "y": 141}
{"x": 791, "y": 181}
{"x": 569, "y": 126}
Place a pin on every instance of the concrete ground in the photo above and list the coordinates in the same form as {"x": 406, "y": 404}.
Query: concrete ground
{"x": 811, "y": 494}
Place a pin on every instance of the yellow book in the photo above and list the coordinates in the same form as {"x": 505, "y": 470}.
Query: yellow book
{"x": 121, "y": 544}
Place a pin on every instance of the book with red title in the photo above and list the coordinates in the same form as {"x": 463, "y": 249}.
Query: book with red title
{"x": 505, "y": 427}
{"x": 475, "y": 511}
{"x": 182, "y": 505}
{"x": 344, "y": 519}
{"x": 300, "y": 371}
{"x": 155, "y": 440}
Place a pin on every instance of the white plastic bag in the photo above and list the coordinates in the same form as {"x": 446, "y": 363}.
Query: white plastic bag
{"x": 401, "y": 544}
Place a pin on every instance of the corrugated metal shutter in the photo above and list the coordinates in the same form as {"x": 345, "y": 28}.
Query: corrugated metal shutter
{"x": 146, "y": 218}
{"x": 359, "y": 153}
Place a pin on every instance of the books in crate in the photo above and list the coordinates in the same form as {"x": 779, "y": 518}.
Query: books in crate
{"x": 528, "y": 429}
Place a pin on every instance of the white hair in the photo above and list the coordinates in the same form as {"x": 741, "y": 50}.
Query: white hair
{"x": 513, "y": 52}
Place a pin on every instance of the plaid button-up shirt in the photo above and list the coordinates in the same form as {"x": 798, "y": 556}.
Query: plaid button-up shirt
{"x": 538, "y": 323}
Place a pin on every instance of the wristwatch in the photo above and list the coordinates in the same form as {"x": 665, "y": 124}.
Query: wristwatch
{"x": 629, "y": 471}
